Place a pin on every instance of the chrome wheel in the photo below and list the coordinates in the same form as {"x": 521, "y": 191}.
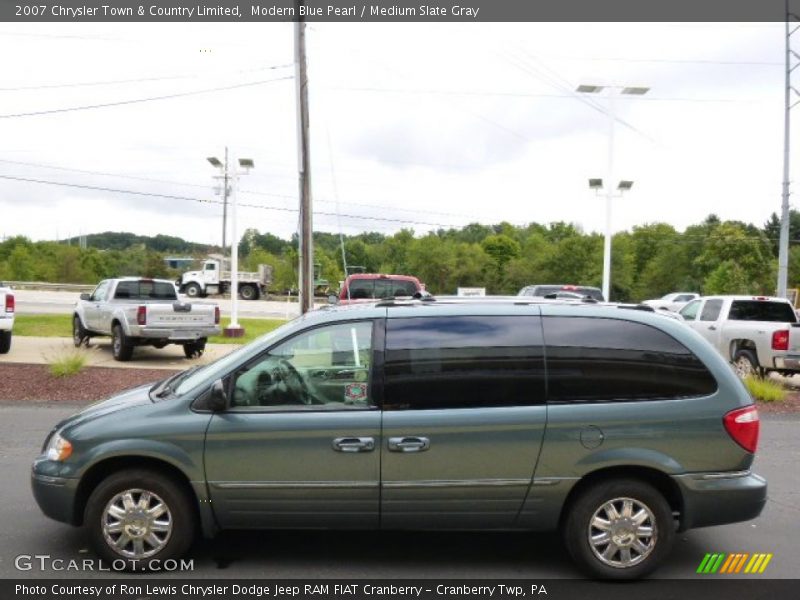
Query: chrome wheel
{"x": 136, "y": 524}
{"x": 743, "y": 367}
{"x": 622, "y": 532}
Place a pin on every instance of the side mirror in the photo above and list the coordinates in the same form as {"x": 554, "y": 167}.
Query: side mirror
{"x": 215, "y": 400}
{"x": 86, "y": 296}
{"x": 333, "y": 299}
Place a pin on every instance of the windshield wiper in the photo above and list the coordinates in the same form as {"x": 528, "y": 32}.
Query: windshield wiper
{"x": 166, "y": 387}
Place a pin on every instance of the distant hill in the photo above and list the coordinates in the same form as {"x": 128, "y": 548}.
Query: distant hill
{"x": 113, "y": 240}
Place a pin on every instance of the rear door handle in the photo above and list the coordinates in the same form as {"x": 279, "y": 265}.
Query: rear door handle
{"x": 712, "y": 327}
{"x": 409, "y": 444}
{"x": 354, "y": 444}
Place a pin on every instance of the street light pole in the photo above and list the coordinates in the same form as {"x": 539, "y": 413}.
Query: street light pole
{"x": 233, "y": 329}
{"x": 610, "y": 92}
{"x": 609, "y": 195}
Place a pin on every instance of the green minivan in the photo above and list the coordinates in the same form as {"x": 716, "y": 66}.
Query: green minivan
{"x": 617, "y": 427}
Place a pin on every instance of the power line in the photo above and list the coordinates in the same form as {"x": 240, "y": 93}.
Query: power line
{"x": 291, "y": 197}
{"x": 206, "y": 201}
{"x": 47, "y": 86}
{"x": 141, "y": 100}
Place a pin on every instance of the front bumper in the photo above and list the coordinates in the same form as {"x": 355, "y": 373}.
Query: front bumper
{"x": 55, "y": 495}
{"x": 721, "y": 498}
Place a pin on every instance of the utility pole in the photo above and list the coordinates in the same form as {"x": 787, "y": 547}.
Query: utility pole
{"x": 783, "y": 244}
{"x": 225, "y": 203}
{"x": 306, "y": 227}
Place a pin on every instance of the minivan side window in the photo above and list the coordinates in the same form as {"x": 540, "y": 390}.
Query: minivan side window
{"x": 601, "y": 360}
{"x": 321, "y": 369}
{"x": 463, "y": 362}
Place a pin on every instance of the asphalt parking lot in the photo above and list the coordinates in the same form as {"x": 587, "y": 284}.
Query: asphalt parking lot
{"x": 293, "y": 554}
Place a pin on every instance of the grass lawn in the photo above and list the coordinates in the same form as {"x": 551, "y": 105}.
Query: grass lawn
{"x": 61, "y": 326}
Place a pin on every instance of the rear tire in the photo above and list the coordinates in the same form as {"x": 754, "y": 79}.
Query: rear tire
{"x": 626, "y": 546}
{"x": 249, "y": 292}
{"x": 195, "y": 349}
{"x": 121, "y": 346}
{"x": 137, "y": 516}
{"x": 5, "y": 342}
{"x": 745, "y": 363}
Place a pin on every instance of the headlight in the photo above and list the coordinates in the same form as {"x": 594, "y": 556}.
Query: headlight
{"x": 58, "y": 449}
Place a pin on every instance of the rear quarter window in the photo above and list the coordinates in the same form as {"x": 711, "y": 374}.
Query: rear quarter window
{"x": 762, "y": 310}
{"x": 602, "y": 360}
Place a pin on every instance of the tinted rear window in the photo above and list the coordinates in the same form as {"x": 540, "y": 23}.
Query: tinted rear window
{"x": 762, "y": 310}
{"x": 145, "y": 290}
{"x": 381, "y": 288}
{"x": 463, "y": 362}
{"x": 600, "y": 360}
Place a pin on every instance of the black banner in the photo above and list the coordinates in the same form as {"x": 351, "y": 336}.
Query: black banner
{"x": 398, "y": 10}
{"x": 145, "y": 588}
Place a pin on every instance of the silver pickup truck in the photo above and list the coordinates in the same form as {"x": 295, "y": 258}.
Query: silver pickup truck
{"x": 143, "y": 312}
{"x": 6, "y": 318}
{"x": 757, "y": 334}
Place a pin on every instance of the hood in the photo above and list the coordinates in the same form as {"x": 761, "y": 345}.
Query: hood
{"x": 137, "y": 396}
{"x": 191, "y": 274}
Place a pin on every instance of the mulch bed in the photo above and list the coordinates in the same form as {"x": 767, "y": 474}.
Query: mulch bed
{"x": 25, "y": 382}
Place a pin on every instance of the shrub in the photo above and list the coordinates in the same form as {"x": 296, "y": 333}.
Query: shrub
{"x": 68, "y": 363}
{"x": 765, "y": 390}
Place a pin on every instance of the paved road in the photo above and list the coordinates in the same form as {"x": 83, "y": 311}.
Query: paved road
{"x": 43, "y": 302}
{"x": 24, "y": 530}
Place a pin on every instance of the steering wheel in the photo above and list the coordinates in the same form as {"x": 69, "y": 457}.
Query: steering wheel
{"x": 294, "y": 381}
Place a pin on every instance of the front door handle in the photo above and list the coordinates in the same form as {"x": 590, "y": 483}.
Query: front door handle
{"x": 354, "y": 444}
{"x": 409, "y": 444}
{"x": 712, "y": 327}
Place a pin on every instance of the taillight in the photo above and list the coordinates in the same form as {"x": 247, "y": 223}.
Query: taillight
{"x": 216, "y": 315}
{"x": 9, "y": 303}
{"x": 742, "y": 425}
{"x": 141, "y": 315}
{"x": 780, "y": 340}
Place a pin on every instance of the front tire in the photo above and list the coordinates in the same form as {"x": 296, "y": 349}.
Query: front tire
{"x": 121, "y": 347}
{"x": 619, "y": 529}
{"x": 5, "y": 342}
{"x": 80, "y": 336}
{"x": 193, "y": 291}
{"x": 137, "y": 516}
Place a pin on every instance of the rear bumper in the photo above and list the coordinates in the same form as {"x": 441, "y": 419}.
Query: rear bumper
{"x": 789, "y": 362}
{"x": 174, "y": 335}
{"x": 6, "y": 322}
{"x": 721, "y": 498}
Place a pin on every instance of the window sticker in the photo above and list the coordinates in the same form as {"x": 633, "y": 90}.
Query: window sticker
{"x": 355, "y": 392}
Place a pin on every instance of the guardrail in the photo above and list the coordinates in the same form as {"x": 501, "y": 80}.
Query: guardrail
{"x": 53, "y": 287}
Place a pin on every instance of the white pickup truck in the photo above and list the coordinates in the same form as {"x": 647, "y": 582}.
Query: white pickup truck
{"x": 143, "y": 312}
{"x": 6, "y": 318}
{"x": 757, "y": 334}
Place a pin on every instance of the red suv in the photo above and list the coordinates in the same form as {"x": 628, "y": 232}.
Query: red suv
{"x": 368, "y": 287}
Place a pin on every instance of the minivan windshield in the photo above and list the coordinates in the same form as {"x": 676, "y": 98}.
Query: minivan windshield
{"x": 221, "y": 367}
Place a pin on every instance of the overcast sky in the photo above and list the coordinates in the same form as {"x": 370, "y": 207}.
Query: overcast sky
{"x": 418, "y": 126}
